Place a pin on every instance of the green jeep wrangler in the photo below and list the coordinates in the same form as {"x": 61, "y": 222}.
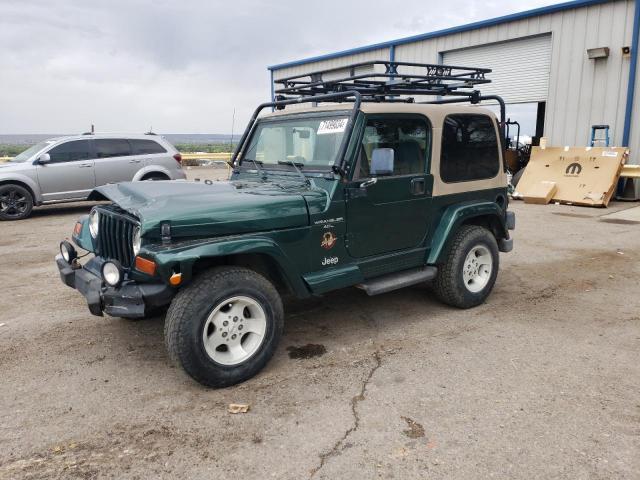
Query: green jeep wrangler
{"x": 373, "y": 190}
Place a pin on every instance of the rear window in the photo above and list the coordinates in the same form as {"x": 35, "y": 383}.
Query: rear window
{"x": 70, "y": 151}
{"x": 146, "y": 147}
{"x": 112, "y": 147}
{"x": 469, "y": 148}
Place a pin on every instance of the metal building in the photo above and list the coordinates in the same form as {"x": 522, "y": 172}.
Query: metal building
{"x": 576, "y": 60}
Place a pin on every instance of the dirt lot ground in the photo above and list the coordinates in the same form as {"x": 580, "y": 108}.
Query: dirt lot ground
{"x": 542, "y": 381}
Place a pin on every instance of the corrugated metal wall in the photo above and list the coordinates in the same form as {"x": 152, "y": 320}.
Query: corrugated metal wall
{"x": 381, "y": 54}
{"x": 582, "y": 92}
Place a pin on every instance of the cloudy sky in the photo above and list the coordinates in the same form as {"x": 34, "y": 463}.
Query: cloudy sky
{"x": 182, "y": 66}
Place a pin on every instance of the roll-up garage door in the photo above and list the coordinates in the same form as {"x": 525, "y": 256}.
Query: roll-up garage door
{"x": 520, "y": 67}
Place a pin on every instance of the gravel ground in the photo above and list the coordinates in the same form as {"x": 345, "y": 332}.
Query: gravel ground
{"x": 542, "y": 381}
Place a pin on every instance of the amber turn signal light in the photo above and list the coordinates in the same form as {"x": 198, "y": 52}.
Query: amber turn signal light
{"x": 146, "y": 266}
{"x": 77, "y": 229}
{"x": 175, "y": 279}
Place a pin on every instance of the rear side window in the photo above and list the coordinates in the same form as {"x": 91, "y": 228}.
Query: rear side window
{"x": 469, "y": 148}
{"x": 112, "y": 147}
{"x": 70, "y": 151}
{"x": 146, "y": 147}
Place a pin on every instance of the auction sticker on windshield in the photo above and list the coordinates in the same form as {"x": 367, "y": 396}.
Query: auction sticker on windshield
{"x": 336, "y": 125}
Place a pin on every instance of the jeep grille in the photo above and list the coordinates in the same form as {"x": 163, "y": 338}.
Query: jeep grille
{"x": 115, "y": 236}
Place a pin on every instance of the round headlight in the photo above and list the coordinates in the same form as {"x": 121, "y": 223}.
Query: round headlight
{"x": 137, "y": 241}
{"x": 111, "y": 273}
{"x": 68, "y": 252}
{"x": 94, "y": 219}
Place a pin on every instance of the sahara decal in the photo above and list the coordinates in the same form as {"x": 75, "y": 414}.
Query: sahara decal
{"x": 329, "y": 239}
{"x": 328, "y": 220}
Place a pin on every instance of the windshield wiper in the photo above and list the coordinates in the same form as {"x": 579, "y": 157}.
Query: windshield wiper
{"x": 258, "y": 164}
{"x": 295, "y": 165}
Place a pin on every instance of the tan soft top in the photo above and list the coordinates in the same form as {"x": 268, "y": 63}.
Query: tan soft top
{"x": 436, "y": 114}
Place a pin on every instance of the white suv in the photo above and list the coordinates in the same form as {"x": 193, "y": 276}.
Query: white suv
{"x": 68, "y": 168}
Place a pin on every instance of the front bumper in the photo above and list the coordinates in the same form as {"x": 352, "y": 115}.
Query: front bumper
{"x": 129, "y": 300}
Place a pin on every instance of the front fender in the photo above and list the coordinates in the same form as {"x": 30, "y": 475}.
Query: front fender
{"x": 185, "y": 255}
{"x": 25, "y": 180}
{"x": 84, "y": 239}
{"x": 454, "y": 216}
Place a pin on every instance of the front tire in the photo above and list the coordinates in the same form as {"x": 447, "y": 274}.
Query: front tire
{"x": 225, "y": 326}
{"x": 469, "y": 272}
{"x": 16, "y": 202}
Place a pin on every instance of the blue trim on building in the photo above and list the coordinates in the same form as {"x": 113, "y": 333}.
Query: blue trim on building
{"x": 447, "y": 31}
{"x": 628, "y": 112}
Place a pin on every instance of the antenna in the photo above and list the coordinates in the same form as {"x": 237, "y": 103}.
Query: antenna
{"x": 93, "y": 129}
{"x": 233, "y": 121}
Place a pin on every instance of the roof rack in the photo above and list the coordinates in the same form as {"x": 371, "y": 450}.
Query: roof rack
{"x": 376, "y": 81}
{"x": 384, "y": 81}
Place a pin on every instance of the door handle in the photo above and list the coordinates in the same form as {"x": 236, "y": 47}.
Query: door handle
{"x": 135, "y": 161}
{"x": 86, "y": 165}
{"x": 369, "y": 182}
{"x": 418, "y": 186}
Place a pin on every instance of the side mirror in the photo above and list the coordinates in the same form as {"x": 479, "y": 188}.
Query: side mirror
{"x": 44, "y": 158}
{"x": 382, "y": 161}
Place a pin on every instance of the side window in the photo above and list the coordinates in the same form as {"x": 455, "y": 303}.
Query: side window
{"x": 146, "y": 147}
{"x": 70, "y": 151}
{"x": 112, "y": 147}
{"x": 469, "y": 148}
{"x": 408, "y": 137}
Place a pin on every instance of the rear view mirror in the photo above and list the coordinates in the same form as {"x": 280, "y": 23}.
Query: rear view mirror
{"x": 302, "y": 133}
{"x": 44, "y": 158}
{"x": 382, "y": 161}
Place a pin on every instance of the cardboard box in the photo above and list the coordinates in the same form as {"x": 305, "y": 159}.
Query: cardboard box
{"x": 583, "y": 175}
{"x": 541, "y": 193}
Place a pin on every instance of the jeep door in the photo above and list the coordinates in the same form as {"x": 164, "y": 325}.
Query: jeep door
{"x": 115, "y": 161}
{"x": 69, "y": 174}
{"x": 390, "y": 213}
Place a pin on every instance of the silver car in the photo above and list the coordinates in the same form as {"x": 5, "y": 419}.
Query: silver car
{"x": 67, "y": 169}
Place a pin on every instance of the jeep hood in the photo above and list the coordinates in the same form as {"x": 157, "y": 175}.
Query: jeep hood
{"x": 195, "y": 209}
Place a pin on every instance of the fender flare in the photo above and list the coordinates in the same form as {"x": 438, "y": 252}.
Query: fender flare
{"x": 29, "y": 182}
{"x": 151, "y": 169}
{"x": 186, "y": 256}
{"x": 454, "y": 216}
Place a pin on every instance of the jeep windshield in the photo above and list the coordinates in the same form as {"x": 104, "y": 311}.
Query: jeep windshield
{"x": 310, "y": 143}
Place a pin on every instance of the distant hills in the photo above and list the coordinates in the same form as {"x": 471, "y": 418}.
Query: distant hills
{"x": 188, "y": 138}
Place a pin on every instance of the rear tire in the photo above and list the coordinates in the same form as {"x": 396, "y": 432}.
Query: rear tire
{"x": 470, "y": 269}
{"x": 225, "y": 326}
{"x": 16, "y": 202}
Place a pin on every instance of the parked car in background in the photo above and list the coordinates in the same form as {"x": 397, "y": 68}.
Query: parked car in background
{"x": 68, "y": 168}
